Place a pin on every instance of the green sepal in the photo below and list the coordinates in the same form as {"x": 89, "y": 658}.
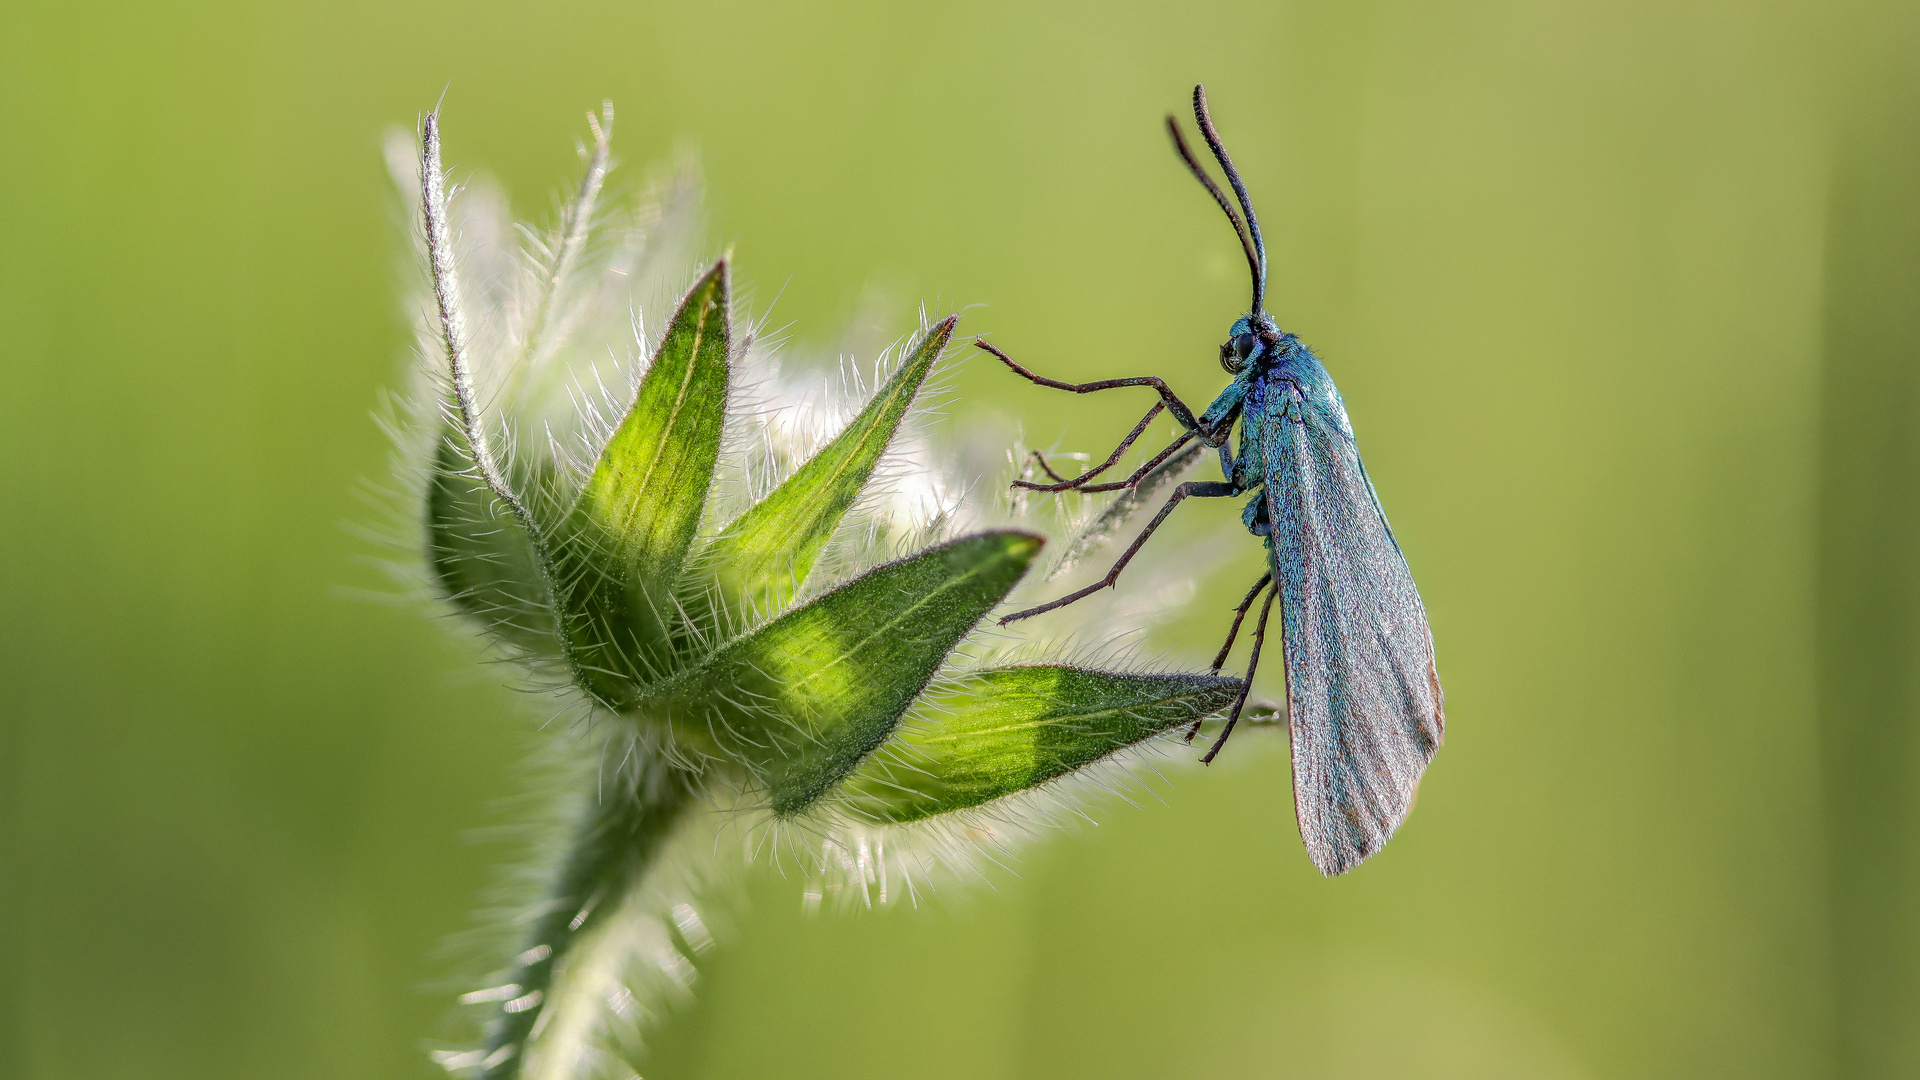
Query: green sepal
{"x": 761, "y": 559}
{"x": 480, "y": 556}
{"x": 994, "y": 732}
{"x": 628, "y": 535}
{"x": 802, "y": 699}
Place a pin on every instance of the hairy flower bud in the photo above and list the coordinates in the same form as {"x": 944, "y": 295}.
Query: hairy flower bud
{"x": 723, "y": 660}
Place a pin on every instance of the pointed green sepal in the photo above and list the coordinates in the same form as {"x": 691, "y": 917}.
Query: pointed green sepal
{"x": 802, "y": 699}
{"x": 647, "y": 491}
{"x": 992, "y": 733}
{"x": 480, "y": 555}
{"x": 762, "y": 558}
{"x": 628, "y": 536}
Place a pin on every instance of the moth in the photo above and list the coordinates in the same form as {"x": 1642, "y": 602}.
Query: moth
{"x": 1365, "y": 711}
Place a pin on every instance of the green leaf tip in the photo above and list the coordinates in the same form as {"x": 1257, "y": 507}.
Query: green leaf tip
{"x": 765, "y": 555}
{"x": 1004, "y": 730}
{"x": 629, "y": 533}
{"x": 648, "y": 490}
{"x": 804, "y": 698}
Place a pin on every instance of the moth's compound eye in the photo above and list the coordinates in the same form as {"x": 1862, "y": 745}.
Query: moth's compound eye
{"x": 1228, "y": 360}
{"x": 1243, "y": 346}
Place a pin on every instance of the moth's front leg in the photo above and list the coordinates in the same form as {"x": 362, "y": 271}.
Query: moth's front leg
{"x": 1167, "y": 397}
{"x": 1214, "y": 425}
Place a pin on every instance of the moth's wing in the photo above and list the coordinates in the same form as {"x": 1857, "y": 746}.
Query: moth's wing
{"x": 1364, "y": 705}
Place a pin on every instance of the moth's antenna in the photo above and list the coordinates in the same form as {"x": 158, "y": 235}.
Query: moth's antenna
{"x": 1205, "y": 121}
{"x": 1255, "y": 262}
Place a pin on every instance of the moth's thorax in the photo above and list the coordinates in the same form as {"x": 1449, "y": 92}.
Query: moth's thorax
{"x": 1289, "y": 383}
{"x": 1279, "y": 352}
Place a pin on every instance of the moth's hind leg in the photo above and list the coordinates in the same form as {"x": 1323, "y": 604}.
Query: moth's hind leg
{"x": 1239, "y": 616}
{"x": 1206, "y": 489}
{"x": 1233, "y": 632}
{"x": 1253, "y": 665}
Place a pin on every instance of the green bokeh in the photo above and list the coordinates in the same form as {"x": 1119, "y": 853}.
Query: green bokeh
{"x": 1625, "y": 301}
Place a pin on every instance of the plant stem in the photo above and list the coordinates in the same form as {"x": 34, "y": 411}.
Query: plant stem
{"x": 619, "y": 839}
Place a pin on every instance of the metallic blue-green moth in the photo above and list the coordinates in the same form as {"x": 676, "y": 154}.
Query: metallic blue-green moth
{"x": 1364, "y": 705}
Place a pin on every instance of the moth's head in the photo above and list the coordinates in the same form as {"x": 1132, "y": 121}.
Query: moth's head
{"x": 1249, "y": 343}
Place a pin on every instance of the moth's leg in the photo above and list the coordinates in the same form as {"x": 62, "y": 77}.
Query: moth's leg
{"x": 1041, "y": 459}
{"x": 1138, "y": 474}
{"x": 1080, "y": 484}
{"x": 1239, "y": 616}
{"x": 1078, "y": 481}
{"x": 1167, "y": 397}
{"x": 1226, "y": 460}
{"x": 1206, "y": 489}
{"x": 1253, "y": 665}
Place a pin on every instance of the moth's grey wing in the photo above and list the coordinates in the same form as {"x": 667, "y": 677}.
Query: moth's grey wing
{"x": 1364, "y": 706}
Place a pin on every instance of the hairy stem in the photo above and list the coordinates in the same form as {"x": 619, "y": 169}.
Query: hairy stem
{"x": 618, "y": 840}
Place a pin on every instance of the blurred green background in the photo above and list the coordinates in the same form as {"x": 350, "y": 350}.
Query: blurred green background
{"x": 1625, "y": 301}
